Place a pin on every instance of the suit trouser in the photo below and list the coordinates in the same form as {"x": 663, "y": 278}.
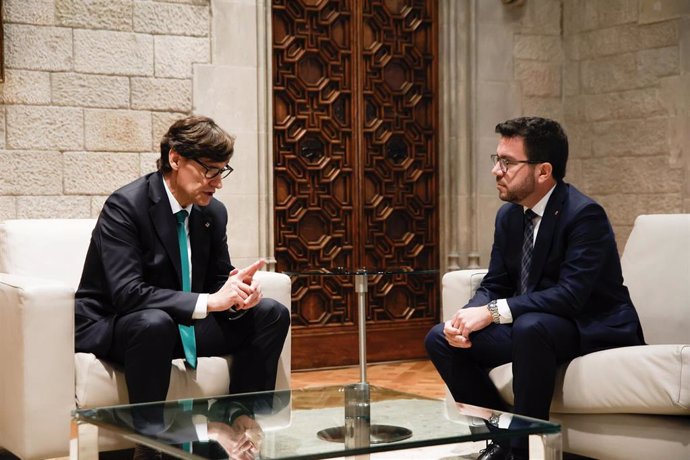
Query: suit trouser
{"x": 146, "y": 341}
{"x": 536, "y": 343}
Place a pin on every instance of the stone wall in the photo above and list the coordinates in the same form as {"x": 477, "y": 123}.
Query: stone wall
{"x": 519, "y": 72}
{"x": 90, "y": 87}
{"x": 616, "y": 73}
{"x": 627, "y": 105}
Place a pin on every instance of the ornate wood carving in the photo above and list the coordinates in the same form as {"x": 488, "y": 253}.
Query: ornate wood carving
{"x": 355, "y": 168}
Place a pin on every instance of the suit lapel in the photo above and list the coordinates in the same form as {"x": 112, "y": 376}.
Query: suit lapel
{"x": 200, "y": 237}
{"x": 514, "y": 244}
{"x": 547, "y": 228}
{"x": 164, "y": 222}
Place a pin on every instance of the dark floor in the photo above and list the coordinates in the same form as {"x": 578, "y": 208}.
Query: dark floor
{"x": 567, "y": 456}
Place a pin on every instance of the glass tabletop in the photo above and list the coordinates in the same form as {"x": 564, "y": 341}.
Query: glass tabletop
{"x": 345, "y": 271}
{"x": 286, "y": 424}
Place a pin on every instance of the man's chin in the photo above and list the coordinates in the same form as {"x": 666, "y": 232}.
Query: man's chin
{"x": 204, "y": 200}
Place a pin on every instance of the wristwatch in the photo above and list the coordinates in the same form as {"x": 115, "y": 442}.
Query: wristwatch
{"x": 493, "y": 309}
{"x": 494, "y": 418}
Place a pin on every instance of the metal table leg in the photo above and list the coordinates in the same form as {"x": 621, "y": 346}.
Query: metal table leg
{"x": 357, "y": 431}
{"x": 361, "y": 288}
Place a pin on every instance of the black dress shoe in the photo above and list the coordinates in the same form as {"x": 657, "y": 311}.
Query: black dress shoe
{"x": 519, "y": 453}
{"x": 142, "y": 452}
{"x": 494, "y": 452}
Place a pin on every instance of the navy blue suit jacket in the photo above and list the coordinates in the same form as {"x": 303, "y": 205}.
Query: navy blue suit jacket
{"x": 575, "y": 271}
{"x": 133, "y": 261}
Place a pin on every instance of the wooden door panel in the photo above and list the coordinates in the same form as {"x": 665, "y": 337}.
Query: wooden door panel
{"x": 355, "y": 171}
{"x": 314, "y": 165}
{"x": 400, "y": 193}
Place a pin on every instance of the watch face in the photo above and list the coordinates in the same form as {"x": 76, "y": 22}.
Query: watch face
{"x": 493, "y": 309}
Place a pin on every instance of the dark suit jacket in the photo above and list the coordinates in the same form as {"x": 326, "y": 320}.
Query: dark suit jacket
{"x": 133, "y": 261}
{"x": 575, "y": 271}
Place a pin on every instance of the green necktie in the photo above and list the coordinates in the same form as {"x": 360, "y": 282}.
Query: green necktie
{"x": 187, "y": 405}
{"x": 186, "y": 332}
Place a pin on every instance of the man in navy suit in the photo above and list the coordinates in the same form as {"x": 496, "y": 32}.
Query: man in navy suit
{"x": 132, "y": 295}
{"x": 552, "y": 292}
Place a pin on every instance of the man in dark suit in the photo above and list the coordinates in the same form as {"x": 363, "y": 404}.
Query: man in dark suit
{"x": 554, "y": 288}
{"x": 136, "y": 290}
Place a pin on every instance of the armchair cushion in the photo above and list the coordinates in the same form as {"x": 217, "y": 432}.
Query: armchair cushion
{"x": 631, "y": 380}
{"x": 51, "y": 249}
{"x": 101, "y": 383}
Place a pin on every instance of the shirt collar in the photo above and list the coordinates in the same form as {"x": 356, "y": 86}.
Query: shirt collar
{"x": 174, "y": 205}
{"x": 540, "y": 207}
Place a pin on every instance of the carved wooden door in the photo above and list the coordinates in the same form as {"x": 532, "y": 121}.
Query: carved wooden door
{"x": 356, "y": 174}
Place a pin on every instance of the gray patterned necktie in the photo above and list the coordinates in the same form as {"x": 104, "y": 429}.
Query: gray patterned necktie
{"x": 527, "y": 248}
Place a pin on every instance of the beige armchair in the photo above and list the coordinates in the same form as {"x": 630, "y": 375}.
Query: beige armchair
{"x": 631, "y": 402}
{"x": 42, "y": 379}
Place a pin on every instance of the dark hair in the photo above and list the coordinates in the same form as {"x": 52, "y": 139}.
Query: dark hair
{"x": 195, "y": 137}
{"x": 545, "y": 141}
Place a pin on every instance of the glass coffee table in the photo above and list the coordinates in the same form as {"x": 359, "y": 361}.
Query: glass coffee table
{"x": 294, "y": 425}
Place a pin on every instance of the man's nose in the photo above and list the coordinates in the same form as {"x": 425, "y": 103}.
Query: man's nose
{"x": 496, "y": 170}
{"x": 217, "y": 181}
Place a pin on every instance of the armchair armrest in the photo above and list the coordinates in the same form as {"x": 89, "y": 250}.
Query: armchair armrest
{"x": 37, "y": 353}
{"x": 458, "y": 287}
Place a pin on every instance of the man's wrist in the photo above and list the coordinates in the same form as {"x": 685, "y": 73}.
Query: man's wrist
{"x": 493, "y": 309}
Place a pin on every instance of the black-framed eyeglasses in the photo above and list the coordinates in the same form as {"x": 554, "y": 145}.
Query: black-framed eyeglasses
{"x": 211, "y": 172}
{"x": 506, "y": 162}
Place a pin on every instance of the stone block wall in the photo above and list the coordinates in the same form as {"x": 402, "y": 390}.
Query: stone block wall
{"x": 627, "y": 105}
{"x": 616, "y": 73}
{"x": 90, "y": 87}
{"x": 519, "y": 72}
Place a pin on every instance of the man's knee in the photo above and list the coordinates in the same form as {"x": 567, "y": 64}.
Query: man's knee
{"x": 153, "y": 324}
{"x": 530, "y": 324}
{"x": 434, "y": 339}
{"x": 544, "y": 329}
{"x": 275, "y": 313}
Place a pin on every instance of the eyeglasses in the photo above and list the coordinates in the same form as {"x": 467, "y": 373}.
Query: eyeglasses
{"x": 212, "y": 172}
{"x": 505, "y": 162}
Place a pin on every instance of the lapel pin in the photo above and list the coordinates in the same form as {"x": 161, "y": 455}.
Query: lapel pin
{"x": 207, "y": 225}
{"x": 555, "y": 213}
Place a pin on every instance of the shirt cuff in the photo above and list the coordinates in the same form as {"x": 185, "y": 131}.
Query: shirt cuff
{"x": 504, "y": 420}
{"x": 201, "y": 307}
{"x": 506, "y": 316}
{"x": 201, "y": 427}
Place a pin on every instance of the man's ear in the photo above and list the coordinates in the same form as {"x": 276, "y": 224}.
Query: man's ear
{"x": 545, "y": 171}
{"x": 174, "y": 159}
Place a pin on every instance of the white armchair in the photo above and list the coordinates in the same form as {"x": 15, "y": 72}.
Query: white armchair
{"x": 631, "y": 402}
{"x": 42, "y": 378}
